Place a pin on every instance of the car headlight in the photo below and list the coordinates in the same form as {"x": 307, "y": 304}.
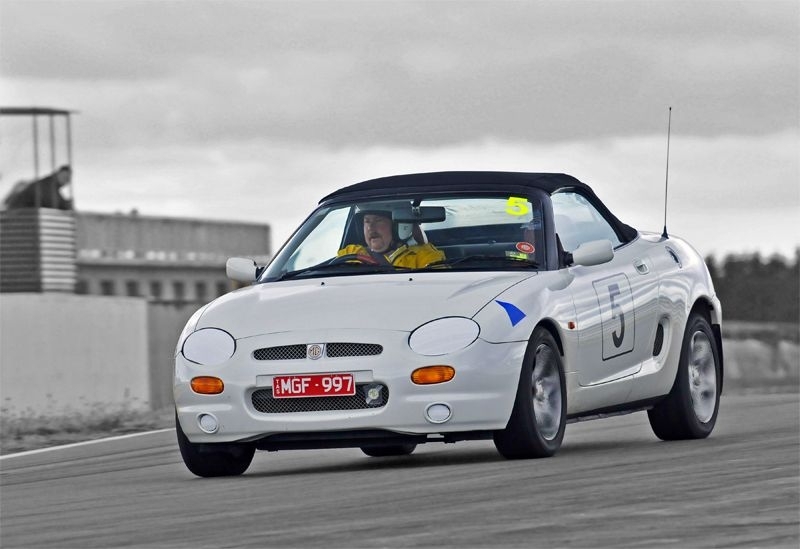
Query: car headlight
{"x": 443, "y": 336}
{"x": 209, "y": 346}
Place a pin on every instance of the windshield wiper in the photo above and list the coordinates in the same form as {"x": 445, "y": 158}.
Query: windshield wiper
{"x": 482, "y": 260}
{"x": 342, "y": 267}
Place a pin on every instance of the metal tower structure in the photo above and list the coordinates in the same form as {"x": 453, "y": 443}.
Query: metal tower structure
{"x": 37, "y": 222}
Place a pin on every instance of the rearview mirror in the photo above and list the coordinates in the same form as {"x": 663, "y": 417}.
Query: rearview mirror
{"x": 420, "y": 214}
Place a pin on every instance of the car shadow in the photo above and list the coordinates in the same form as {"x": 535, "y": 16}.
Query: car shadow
{"x": 443, "y": 458}
{"x": 597, "y": 451}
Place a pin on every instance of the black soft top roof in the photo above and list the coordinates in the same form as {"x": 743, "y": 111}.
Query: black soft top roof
{"x": 443, "y": 181}
{"x": 462, "y": 181}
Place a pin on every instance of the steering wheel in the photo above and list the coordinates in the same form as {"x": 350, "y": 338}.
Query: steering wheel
{"x": 357, "y": 258}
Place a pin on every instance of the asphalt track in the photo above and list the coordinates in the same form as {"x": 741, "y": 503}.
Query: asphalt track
{"x": 613, "y": 484}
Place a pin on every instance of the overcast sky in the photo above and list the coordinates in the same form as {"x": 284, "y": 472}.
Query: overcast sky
{"x": 253, "y": 110}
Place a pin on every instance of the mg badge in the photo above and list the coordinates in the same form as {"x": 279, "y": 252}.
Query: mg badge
{"x": 314, "y": 351}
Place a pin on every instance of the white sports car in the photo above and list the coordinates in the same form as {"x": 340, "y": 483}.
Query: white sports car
{"x": 501, "y": 306}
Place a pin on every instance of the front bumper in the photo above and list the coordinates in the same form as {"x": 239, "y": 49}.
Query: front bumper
{"x": 480, "y": 396}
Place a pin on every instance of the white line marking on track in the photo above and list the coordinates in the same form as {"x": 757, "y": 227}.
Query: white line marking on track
{"x": 84, "y": 443}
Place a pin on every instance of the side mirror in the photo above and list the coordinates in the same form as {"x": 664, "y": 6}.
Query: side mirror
{"x": 591, "y": 253}
{"x": 241, "y": 269}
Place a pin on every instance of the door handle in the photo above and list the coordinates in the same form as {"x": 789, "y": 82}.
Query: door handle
{"x": 641, "y": 267}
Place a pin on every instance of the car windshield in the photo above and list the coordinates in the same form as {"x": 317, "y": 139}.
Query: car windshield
{"x": 414, "y": 234}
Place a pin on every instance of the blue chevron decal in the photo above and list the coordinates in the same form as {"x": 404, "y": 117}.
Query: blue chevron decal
{"x": 514, "y": 314}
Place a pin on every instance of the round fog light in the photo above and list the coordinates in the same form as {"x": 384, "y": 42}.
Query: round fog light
{"x": 438, "y": 413}
{"x": 208, "y": 423}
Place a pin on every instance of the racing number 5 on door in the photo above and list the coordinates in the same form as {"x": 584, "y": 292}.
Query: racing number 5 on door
{"x": 616, "y": 314}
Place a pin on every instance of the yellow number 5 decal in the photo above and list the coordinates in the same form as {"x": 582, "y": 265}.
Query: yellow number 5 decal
{"x": 517, "y": 205}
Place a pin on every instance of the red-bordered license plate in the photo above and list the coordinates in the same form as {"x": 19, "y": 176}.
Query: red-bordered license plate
{"x": 313, "y": 385}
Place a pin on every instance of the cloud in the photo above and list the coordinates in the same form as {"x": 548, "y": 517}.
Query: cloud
{"x": 403, "y": 73}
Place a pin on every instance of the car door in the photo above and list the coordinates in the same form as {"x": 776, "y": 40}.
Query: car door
{"x": 615, "y": 303}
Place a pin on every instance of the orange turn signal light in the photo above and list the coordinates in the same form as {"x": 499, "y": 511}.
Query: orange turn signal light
{"x": 432, "y": 374}
{"x": 207, "y": 385}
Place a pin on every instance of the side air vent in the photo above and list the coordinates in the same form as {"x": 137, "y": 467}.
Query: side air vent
{"x": 659, "y": 340}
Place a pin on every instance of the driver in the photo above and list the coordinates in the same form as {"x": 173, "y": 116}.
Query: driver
{"x": 386, "y": 247}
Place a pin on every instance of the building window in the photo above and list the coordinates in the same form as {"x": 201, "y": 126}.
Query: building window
{"x": 222, "y": 288}
{"x": 155, "y": 289}
{"x": 178, "y": 290}
{"x": 106, "y": 287}
{"x": 82, "y": 287}
{"x": 132, "y": 288}
{"x": 200, "y": 291}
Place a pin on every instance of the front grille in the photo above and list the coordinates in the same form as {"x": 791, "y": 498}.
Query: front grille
{"x": 264, "y": 402}
{"x": 332, "y": 350}
{"x": 284, "y": 352}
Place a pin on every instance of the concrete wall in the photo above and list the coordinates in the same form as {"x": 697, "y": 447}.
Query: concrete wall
{"x": 165, "y": 322}
{"x": 62, "y": 352}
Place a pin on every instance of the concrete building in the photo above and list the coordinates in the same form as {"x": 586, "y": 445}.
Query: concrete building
{"x": 161, "y": 258}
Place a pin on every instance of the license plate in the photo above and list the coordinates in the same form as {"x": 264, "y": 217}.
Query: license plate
{"x": 313, "y": 385}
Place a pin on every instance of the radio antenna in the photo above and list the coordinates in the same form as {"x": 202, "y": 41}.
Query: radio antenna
{"x": 666, "y": 181}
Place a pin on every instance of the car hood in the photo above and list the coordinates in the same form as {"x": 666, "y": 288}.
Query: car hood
{"x": 389, "y": 302}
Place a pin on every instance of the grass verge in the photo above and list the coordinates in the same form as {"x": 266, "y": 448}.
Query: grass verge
{"x": 33, "y": 431}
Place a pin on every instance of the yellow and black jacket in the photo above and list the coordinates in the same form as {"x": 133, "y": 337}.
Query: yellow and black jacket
{"x": 414, "y": 257}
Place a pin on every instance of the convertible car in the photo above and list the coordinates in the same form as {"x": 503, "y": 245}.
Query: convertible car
{"x": 522, "y": 304}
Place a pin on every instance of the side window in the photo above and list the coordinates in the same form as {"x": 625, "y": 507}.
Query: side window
{"x": 577, "y": 221}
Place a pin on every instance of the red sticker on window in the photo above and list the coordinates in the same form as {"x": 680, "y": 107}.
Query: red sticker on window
{"x": 525, "y": 247}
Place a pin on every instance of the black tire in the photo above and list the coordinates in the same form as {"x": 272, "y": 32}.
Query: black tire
{"x": 539, "y": 417}
{"x": 387, "y": 451}
{"x": 690, "y": 409}
{"x": 214, "y": 460}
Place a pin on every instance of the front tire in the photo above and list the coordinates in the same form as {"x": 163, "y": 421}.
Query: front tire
{"x": 690, "y": 410}
{"x": 387, "y": 451}
{"x": 538, "y": 419}
{"x": 214, "y": 460}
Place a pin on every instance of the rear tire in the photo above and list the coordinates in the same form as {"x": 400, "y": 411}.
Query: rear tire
{"x": 387, "y": 451}
{"x": 538, "y": 419}
{"x": 690, "y": 410}
{"x": 220, "y": 459}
